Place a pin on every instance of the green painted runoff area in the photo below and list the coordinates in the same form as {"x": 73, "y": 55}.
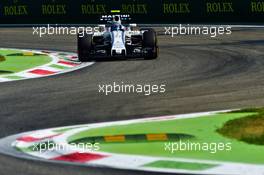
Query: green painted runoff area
{"x": 179, "y": 165}
{"x": 202, "y": 128}
{"x": 14, "y": 64}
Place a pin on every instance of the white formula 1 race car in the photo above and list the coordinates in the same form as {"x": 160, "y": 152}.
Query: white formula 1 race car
{"x": 118, "y": 41}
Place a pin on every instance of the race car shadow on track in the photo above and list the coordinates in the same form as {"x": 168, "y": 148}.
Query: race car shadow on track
{"x": 118, "y": 59}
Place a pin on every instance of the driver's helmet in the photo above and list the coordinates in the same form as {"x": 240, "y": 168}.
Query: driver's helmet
{"x": 116, "y": 24}
{"x": 116, "y": 19}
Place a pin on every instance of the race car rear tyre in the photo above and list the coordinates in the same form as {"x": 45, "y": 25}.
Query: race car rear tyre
{"x": 150, "y": 44}
{"x": 84, "y": 47}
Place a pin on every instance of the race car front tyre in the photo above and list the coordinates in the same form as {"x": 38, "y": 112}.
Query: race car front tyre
{"x": 149, "y": 38}
{"x": 84, "y": 47}
{"x": 150, "y": 44}
{"x": 151, "y": 53}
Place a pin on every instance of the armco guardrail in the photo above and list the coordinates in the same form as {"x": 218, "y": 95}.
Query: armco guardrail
{"x": 142, "y": 11}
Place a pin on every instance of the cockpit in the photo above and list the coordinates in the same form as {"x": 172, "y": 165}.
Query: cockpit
{"x": 116, "y": 24}
{"x": 116, "y": 27}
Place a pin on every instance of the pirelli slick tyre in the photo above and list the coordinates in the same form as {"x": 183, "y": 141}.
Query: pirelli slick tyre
{"x": 150, "y": 44}
{"x": 152, "y": 53}
{"x": 84, "y": 47}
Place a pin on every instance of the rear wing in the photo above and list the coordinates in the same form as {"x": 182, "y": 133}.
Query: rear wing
{"x": 125, "y": 18}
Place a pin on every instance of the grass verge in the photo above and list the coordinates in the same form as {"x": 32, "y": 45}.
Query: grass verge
{"x": 249, "y": 129}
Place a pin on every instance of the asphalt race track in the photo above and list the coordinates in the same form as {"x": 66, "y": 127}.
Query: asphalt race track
{"x": 200, "y": 73}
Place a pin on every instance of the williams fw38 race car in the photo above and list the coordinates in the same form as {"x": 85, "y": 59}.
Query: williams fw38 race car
{"x": 114, "y": 40}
